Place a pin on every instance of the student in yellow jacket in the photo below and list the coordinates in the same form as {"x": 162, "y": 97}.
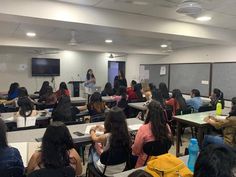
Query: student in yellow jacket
{"x": 228, "y": 126}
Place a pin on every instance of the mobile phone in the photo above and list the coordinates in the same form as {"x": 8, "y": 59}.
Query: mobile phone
{"x": 78, "y": 133}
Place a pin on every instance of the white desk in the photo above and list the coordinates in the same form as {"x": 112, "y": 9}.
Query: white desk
{"x": 127, "y": 173}
{"x": 140, "y": 106}
{"x": 30, "y": 135}
{"x": 78, "y": 100}
{"x": 108, "y": 99}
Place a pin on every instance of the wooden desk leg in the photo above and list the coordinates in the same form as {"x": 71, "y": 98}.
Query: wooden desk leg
{"x": 200, "y": 136}
{"x": 178, "y": 136}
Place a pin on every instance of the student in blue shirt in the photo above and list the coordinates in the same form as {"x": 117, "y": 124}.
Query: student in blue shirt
{"x": 195, "y": 102}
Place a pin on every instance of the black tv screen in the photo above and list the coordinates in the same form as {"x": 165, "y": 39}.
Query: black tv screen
{"x": 45, "y": 67}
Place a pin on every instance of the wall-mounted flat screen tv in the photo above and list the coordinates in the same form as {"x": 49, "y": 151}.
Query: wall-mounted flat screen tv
{"x": 45, "y": 67}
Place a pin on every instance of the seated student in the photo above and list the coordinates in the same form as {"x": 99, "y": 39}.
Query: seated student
{"x": 138, "y": 93}
{"x": 177, "y": 101}
{"x": 115, "y": 137}
{"x": 62, "y": 110}
{"x": 216, "y": 96}
{"x": 10, "y": 157}
{"x": 96, "y": 105}
{"x": 164, "y": 91}
{"x": 49, "y": 98}
{"x": 63, "y": 87}
{"x": 156, "y": 94}
{"x": 26, "y": 112}
{"x": 229, "y": 128}
{"x": 116, "y": 87}
{"x": 107, "y": 90}
{"x": 122, "y": 100}
{"x": 57, "y": 151}
{"x": 13, "y": 91}
{"x": 195, "y": 102}
{"x": 216, "y": 161}
{"x": 130, "y": 90}
{"x": 154, "y": 128}
{"x": 43, "y": 89}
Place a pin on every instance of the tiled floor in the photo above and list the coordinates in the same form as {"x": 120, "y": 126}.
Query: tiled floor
{"x": 185, "y": 141}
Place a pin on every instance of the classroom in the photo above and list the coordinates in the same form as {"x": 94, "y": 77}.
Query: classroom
{"x": 103, "y": 88}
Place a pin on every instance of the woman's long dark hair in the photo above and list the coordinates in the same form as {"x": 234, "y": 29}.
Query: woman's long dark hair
{"x": 96, "y": 102}
{"x": 164, "y": 90}
{"x": 137, "y": 90}
{"x": 22, "y": 92}
{"x": 115, "y": 123}
{"x": 158, "y": 122}
{"x": 43, "y": 89}
{"x": 25, "y": 106}
{"x": 177, "y": 95}
{"x": 3, "y": 136}
{"x": 233, "y": 108}
{"x": 122, "y": 74}
{"x": 108, "y": 89}
{"x": 13, "y": 87}
{"x": 88, "y": 76}
{"x": 56, "y": 143}
{"x": 123, "y": 101}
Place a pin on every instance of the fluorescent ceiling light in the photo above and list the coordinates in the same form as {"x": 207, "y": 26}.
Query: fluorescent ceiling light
{"x": 164, "y": 45}
{"x": 204, "y": 18}
{"x": 140, "y": 3}
{"x": 31, "y": 34}
{"x": 108, "y": 41}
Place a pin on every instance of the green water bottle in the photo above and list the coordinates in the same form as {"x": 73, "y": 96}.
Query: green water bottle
{"x": 218, "y": 108}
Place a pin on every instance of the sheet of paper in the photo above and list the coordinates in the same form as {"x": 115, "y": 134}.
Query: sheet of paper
{"x": 23, "y": 149}
{"x": 30, "y": 121}
{"x": 88, "y": 128}
{"x": 163, "y": 70}
{"x": 220, "y": 117}
{"x": 135, "y": 127}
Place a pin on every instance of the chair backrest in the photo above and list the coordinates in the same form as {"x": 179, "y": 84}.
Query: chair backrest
{"x": 62, "y": 172}
{"x": 156, "y": 148}
{"x": 205, "y": 108}
{"x": 11, "y": 172}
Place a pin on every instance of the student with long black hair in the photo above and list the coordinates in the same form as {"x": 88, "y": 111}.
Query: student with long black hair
{"x": 154, "y": 128}
{"x": 116, "y": 136}
{"x": 57, "y": 151}
{"x": 156, "y": 94}
{"x": 164, "y": 90}
{"x": 43, "y": 89}
{"x": 216, "y": 161}
{"x": 108, "y": 91}
{"x": 13, "y": 91}
{"x": 217, "y": 95}
{"x": 228, "y": 126}
{"x": 177, "y": 101}
{"x": 63, "y": 90}
{"x": 10, "y": 157}
{"x": 122, "y": 100}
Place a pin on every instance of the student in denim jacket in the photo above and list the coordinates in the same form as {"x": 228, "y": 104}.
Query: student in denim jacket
{"x": 9, "y": 156}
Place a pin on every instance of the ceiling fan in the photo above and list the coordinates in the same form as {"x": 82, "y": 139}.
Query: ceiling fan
{"x": 73, "y": 41}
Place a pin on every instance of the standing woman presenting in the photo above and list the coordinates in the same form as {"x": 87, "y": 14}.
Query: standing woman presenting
{"x": 121, "y": 79}
{"x": 90, "y": 82}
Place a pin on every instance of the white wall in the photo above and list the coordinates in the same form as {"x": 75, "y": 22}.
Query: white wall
{"x": 72, "y": 64}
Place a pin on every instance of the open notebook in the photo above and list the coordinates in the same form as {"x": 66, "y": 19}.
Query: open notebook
{"x": 26, "y": 150}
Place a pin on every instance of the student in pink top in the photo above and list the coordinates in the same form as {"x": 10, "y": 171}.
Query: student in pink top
{"x": 154, "y": 128}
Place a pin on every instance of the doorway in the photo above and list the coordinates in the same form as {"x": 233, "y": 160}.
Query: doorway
{"x": 113, "y": 69}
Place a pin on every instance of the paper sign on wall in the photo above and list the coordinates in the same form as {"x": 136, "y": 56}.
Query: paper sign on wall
{"x": 22, "y": 67}
{"x": 163, "y": 70}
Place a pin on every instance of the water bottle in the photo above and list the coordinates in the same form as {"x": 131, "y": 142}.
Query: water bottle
{"x": 218, "y": 108}
{"x": 193, "y": 153}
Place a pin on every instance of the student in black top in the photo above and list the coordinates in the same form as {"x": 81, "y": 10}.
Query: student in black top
{"x": 116, "y": 87}
{"x": 43, "y": 89}
{"x": 216, "y": 96}
{"x": 123, "y": 102}
{"x": 156, "y": 94}
{"x": 121, "y": 78}
{"x": 96, "y": 105}
{"x": 62, "y": 111}
{"x": 164, "y": 90}
{"x": 138, "y": 91}
{"x": 107, "y": 90}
